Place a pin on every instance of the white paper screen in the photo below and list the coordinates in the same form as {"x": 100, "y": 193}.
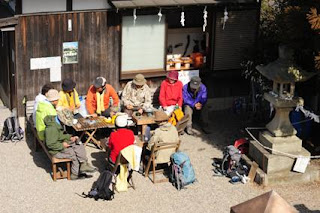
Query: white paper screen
{"x": 143, "y": 43}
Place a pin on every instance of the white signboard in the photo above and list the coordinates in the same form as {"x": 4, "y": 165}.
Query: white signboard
{"x": 185, "y": 76}
{"x": 301, "y": 164}
{"x": 52, "y": 63}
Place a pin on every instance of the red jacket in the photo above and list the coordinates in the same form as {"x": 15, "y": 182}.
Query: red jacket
{"x": 170, "y": 94}
{"x": 91, "y": 101}
{"x": 119, "y": 140}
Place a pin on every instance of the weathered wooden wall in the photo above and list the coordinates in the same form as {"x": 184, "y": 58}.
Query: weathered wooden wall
{"x": 98, "y": 34}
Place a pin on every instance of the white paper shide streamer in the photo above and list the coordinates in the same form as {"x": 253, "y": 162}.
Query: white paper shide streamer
{"x": 182, "y": 19}
{"x": 205, "y": 16}
{"x": 160, "y": 15}
{"x": 134, "y": 16}
{"x": 225, "y": 17}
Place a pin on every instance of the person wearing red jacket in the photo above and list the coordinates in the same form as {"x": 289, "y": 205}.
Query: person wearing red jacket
{"x": 119, "y": 139}
{"x": 171, "y": 92}
{"x": 98, "y": 98}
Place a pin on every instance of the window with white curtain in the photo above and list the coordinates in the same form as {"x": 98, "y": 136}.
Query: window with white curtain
{"x": 143, "y": 43}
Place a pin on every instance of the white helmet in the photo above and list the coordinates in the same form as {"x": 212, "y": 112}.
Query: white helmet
{"x": 122, "y": 120}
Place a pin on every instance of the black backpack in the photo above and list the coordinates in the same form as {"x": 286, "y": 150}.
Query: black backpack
{"x": 101, "y": 188}
{"x": 11, "y": 130}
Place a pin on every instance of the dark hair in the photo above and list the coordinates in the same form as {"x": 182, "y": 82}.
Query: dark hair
{"x": 46, "y": 88}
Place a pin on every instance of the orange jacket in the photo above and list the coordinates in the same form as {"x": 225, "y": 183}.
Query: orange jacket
{"x": 91, "y": 101}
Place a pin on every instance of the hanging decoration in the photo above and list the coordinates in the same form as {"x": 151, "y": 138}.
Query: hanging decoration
{"x": 182, "y": 18}
{"x": 205, "y": 16}
{"x": 160, "y": 15}
{"x": 134, "y": 16}
{"x": 225, "y": 17}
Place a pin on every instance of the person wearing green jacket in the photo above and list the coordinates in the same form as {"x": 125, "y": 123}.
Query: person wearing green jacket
{"x": 61, "y": 145}
{"x": 46, "y": 107}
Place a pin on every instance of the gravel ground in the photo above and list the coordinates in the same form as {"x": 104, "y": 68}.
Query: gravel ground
{"x": 26, "y": 184}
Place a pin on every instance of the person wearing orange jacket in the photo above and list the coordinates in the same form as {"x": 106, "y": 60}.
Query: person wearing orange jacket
{"x": 171, "y": 92}
{"x": 98, "y": 98}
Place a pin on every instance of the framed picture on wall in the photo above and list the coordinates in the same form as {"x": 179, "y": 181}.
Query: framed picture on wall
{"x": 70, "y": 52}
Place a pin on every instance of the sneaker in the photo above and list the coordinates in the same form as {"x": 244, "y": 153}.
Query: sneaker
{"x": 86, "y": 167}
{"x": 189, "y": 131}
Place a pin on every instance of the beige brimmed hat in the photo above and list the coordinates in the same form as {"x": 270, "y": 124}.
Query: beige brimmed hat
{"x": 160, "y": 116}
{"x": 139, "y": 80}
{"x": 53, "y": 95}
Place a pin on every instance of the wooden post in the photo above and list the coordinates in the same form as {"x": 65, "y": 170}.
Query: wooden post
{"x": 68, "y": 171}
{"x": 54, "y": 171}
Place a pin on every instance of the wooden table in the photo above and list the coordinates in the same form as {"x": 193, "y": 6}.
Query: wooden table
{"x": 143, "y": 121}
{"x": 89, "y": 126}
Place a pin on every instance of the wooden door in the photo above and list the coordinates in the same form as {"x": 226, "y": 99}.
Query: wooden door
{"x": 12, "y": 70}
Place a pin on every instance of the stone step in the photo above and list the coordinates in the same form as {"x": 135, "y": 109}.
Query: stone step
{"x": 311, "y": 174}
{"x": 289, "y": 144}
{"x": 273, "y": 163}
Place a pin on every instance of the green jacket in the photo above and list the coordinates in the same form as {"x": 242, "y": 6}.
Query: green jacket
{"x": 54, "y": 135}
{"x": 44, "y": 108}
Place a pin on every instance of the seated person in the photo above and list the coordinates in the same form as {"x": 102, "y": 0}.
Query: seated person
{"x": 119, "y": 139}
{"x": 39, "y": 98}
{"x": 194, "y": 100}
{"x": 98, "y": 98}
{"x": 45, "y": 108}
{"x": 69, "y": 97}
{"x": 166, "y": 132}
{"x": 61, "y": 145}
{"x": 136, "y": 95}
{"x": 171, "y": 92}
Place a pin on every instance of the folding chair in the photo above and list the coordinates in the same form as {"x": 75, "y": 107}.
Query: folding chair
{"x": 122, "y": 160}
{"x": 157, "y": 153}
{"x": 182, "y": 124}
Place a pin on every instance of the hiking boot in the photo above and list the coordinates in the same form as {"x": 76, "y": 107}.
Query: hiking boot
{"x": 189, "y": 130}
{"x": 76, "y": 177}
{"x": 86, "y": 167}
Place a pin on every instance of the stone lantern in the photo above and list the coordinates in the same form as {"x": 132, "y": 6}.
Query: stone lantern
{"x": 280, "y": 134}
{"x": 284, "y": 74}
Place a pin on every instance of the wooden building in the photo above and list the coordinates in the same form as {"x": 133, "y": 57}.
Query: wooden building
{"x": 35, "y": 39}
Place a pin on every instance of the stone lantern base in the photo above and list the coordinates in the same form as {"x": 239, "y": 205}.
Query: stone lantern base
{"x": 280, "y": 136}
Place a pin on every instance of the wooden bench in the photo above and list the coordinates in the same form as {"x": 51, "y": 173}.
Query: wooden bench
{"x": 57, "y": 172}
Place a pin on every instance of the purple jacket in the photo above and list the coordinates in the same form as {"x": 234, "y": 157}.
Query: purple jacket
{"x": 188, "y": 95}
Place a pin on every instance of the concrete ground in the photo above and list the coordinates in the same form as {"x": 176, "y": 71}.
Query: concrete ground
{"x": 26, "y": 184}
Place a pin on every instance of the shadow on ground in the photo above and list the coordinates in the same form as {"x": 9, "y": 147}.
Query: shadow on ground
{"x": 40, "y": 159}
{"x": 303, "y": 209}
{"x": 99, "y": 160}
{"x": 226, "y": 127}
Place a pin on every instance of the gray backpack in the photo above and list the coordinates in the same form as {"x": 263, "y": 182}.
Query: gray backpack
{"x": 11, "y": 130}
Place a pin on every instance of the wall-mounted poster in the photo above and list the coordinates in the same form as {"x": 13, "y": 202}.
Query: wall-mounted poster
{"x": 70, "y": 52}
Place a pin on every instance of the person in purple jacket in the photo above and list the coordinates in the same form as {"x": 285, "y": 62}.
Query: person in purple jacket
{"x": 194, "y": 100}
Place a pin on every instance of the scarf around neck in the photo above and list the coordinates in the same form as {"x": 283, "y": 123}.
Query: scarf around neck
{"x": 100, "y": 102}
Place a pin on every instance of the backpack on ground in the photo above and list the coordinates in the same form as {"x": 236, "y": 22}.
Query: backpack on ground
{"x": 182, "y": 172}
{"x": 12, "y": 130}
{"x": 102, "y": 188}
{"x": 231, "y": 165}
